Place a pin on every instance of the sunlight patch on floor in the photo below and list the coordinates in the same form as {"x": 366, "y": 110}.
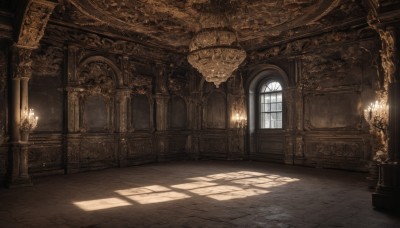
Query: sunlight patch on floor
{"x": 93, "y": 205}
{"x": 151, "y": 194}
{"x": 220, "y": 186}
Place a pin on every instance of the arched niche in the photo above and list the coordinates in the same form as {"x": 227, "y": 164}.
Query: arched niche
{"x": 97, "y": 81}
{"x": 177, "y": 113}
{"x": 140, "y": 112}
{"x": 261, "y": 74}
{"x": 215, "y": 117}
{"x": 264, "y": 144}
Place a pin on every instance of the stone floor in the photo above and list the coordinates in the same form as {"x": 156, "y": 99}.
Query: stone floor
{"x": 196, "y": 194}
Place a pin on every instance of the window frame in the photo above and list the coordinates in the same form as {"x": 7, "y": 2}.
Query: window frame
{"x": 259, "y": 111}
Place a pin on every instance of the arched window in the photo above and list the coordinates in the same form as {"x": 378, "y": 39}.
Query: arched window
{"x": 270, "y": 103}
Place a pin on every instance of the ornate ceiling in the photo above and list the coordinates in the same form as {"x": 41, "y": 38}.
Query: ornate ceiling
{"x": 172, "y": 23}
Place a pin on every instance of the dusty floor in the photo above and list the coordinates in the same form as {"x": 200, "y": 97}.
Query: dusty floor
{"x": 196, "y": 194}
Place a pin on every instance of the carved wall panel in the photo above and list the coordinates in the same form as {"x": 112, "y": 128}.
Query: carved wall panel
{"x": 337, "y": 153}
{"x": 140, "y": 149}
{"x": 177, "y": 113}
{"x": 332, "y": 111}
{"x": 47, "y": 61}
{"x": 97, "y": 153}
{"x": 215, "y": 112}
{"x": 140, "y": 109}
{"x": 176, "y": 147}
{"x": 270, "y": 147}
{"x": 214, "y": 146}
{"x": 45, "y": 158}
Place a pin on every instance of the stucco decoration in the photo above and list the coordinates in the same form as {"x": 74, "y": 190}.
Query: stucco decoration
{"x": 97, "y": 78}
{"x": 47, "y": 61}
{"x": 22, "y": 62}
{"x": 34, "y": 23}
{"x": 173, "y": 22}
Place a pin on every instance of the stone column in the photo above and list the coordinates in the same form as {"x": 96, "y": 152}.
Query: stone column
{"x": 387, "y": 194}
{"x": 17, "y": 174}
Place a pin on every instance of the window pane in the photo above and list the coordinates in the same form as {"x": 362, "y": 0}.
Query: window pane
{"x": 279, "y": 97}
{"x": 267, "y": 120}
{"x": 262, "y": 117}
{"x": 273, "y": 107}
{"x": 279, "y": 107}
{"x": 279, "y": 116}
{"x": 273, "y": 97}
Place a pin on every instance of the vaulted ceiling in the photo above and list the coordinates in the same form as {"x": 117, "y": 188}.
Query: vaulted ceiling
{"x": 172, "y": 23}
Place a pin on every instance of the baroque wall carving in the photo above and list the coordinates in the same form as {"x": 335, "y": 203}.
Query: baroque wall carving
{"x": 111, "y": 45}
{"x": 100, "y": 151}
{"x": 141, "y": 84}
{"x": 97, "y": 78}
{"x": 47, "y": 60}
{"x": 22, "y": 62}
{"x": 34, "y": 22}
{"x": 140, "y": 148}
{"x": 345, "y": 150}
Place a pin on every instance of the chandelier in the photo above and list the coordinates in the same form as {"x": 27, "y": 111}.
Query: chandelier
{"x": 215, "y": 51}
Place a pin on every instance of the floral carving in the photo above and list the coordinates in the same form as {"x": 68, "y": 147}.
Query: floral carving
{"x": 97, "y": 78}
{"x": 141, "y": 84}
{"x": 91, "y": 40}
{"x": 172, "y": 22}
{"x": 34, "y": 23}
{"x": 48, "y": 61}
{"x": 22, "y": 62}
{"x": 388, "y": 55}
{"x": 316, "y": 68}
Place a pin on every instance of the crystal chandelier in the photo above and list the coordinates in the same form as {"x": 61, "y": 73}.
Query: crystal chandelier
{"x": 215, "y": 51}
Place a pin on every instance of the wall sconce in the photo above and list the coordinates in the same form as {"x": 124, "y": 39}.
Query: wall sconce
{"x": 376, "y": 114}
{"x": 28, "y": 120}
{"x": 240, "y": 120}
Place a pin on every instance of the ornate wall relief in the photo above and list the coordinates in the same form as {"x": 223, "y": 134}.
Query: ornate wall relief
{"x": 97, "y": 153}
{"x": 141, "y": 84}
{"x": 47, "y": 60}
{"x": 33, "y": 23}
{"x": 22, "y": 62}
{"x": 97, "y": 81}
{"x": 140, "y": 149}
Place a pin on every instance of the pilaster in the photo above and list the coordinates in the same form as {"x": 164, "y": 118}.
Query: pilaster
{"x": 387, "y": 193}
